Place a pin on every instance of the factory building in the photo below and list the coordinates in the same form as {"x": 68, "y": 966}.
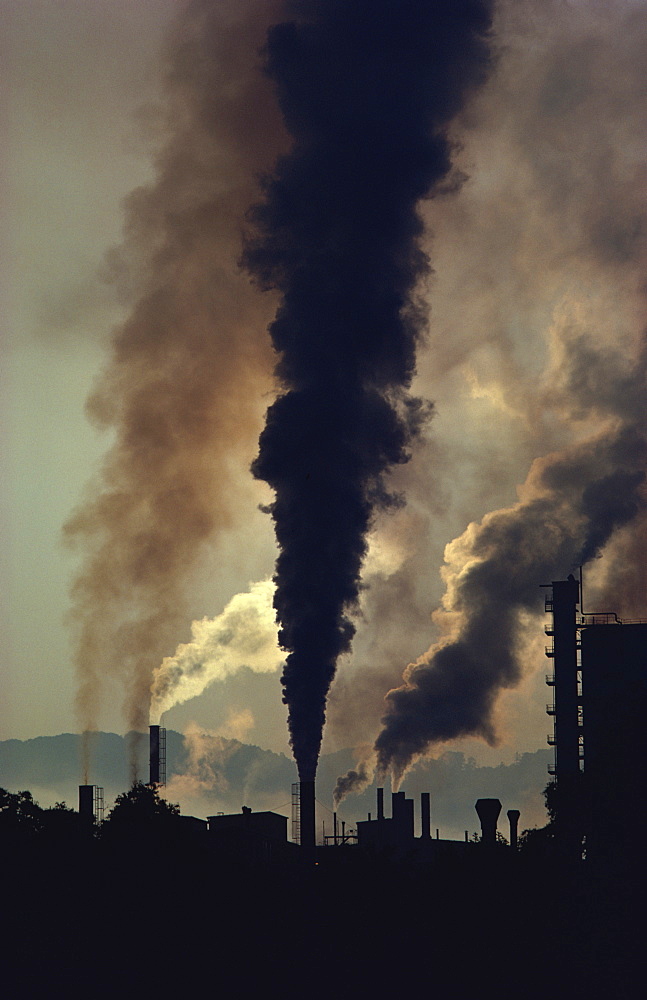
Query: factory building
{"x": 384, "y": 835}
{"x": 614, "y": 689}
{"x": 599, "y": 704}
{"x": 394, "y": 838}
{"x": 600, "y": 740}
{"x": 251, "y": 836}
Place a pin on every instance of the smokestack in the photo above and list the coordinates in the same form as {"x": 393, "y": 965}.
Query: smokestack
{"x": 380, "y": 804}
{"x": 425, "y": 815}
{"x": 157, "y": 755}
{"x": 513, "y": 818}
{"x": 397, "y": 805}
{"x": 86, "y": 802}
{"x": 154, "y": 755}
{"x": 307, "y": 814}
{"x": 488, "y": 812}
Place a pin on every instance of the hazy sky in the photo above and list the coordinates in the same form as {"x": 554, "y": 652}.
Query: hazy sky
{"x": 536, "y": 317}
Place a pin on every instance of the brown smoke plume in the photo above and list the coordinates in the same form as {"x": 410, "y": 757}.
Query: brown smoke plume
{"x": 182, "y": 391}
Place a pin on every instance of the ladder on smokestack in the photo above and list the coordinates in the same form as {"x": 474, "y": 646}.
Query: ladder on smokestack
{"x": 98, "y": 804}
{"x": 296, "y": 812}
{"x": 157, "y": 756}
{"x": 162, "y": 748}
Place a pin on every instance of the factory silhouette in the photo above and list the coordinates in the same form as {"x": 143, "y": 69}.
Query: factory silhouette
{"x": 157, "y": 901}
{"x": 599, "y": 686}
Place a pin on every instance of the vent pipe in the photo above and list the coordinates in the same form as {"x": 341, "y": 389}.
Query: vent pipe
{"x": 513, "y": 818}
{"x": 488, "y": 812}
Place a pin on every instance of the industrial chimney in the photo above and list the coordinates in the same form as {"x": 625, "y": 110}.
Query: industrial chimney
{"x": 157, "y": 755}
{"x": 488, "y": 812}
{"x": 425, "y": 815}
{"x": 86, "y": 802}
{"x": 307, "y": 815}
{"x": 91, "y": 803}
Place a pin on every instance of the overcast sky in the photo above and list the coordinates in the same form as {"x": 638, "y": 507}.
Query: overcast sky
{"x": 538, "y": 254}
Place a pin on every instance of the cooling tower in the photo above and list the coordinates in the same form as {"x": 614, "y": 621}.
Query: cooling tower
{"x": 488, "y": 812}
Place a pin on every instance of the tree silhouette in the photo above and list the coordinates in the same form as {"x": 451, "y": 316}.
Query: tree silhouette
{"x": 141, "y": 811}
{"x": 21, "y": 818}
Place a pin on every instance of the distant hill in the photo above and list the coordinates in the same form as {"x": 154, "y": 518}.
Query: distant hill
{"x": 209, "y": 774}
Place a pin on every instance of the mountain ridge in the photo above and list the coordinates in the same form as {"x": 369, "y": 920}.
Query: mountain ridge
{"x": 207, "y": 774}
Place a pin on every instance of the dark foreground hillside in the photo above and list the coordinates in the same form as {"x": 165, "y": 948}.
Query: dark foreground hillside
{"x": 108, "y": 920}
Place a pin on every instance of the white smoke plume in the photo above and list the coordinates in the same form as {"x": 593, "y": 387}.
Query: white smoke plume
{"x": 245, "y": 635}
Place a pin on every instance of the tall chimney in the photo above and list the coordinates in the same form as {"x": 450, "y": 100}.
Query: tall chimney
{"x": 425, "y": 815}
{"x": 513, "y": 817}
{"x": 86, "y": 802}
{"x": 154, "y": 755}
{"x": 307, "y": 814}
{"x": 380, "y": 804}
{"x": 488, "y": 812}
{"x": 157, "y": 755}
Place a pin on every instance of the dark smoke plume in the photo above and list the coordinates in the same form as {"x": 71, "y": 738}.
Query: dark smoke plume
{"x": 181, "y": 392}
{"x": 367, "y": 88}
{"x": 570, "y": 506}
{"x": 354, "y": 781}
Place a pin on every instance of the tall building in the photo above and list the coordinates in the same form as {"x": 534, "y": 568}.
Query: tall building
{"x": 614, "y": 670}
{"x": 600, "y": 733}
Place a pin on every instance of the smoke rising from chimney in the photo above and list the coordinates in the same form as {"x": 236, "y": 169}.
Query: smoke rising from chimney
{"x": 355, "y": 780}
{"x": 182, "y": 391}
{"x": 535, "y": 349}
{"x": 366, "y": 90}
{"x": 569, "y": 507}
{"x": 244, "y": 635}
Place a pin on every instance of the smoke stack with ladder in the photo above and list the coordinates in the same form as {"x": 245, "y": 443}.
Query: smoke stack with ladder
{"x": 91, "y": 803}
{"x": 157, "y": 756}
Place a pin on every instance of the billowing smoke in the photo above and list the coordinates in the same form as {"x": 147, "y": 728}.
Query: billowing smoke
{"x": 367, "y": 88}
{"x": 182, "y": 391}
{"x": 569, "y": 507}
{"x": 243, "y": 636}
{"x": 535, "y": 360}
{"x": 355, "y": 780}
